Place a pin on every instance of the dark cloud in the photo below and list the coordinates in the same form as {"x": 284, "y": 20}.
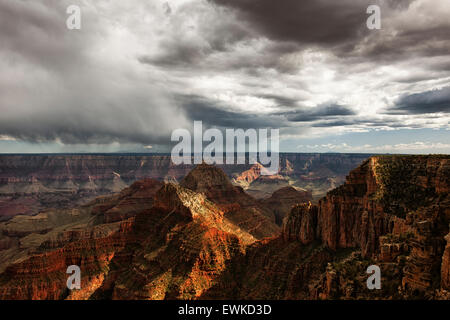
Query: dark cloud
{"x": 281, "y": 101}
{"x": 194, "y": 33}
{"x": 292, "y": 27}
{"x": 306, "y": 21}
{"x": 364, "y": 122}
{"x": 340, "y": 26}
{"x": 441, "y": 65}
{"x": 53, "y": 87}
{"x": 130, "y": 115}
{"x": 399, "y": 4}
{"x": 177, "y": 54}
{"x": 214, "y": 113}
{"x": 433, "y": 101}
{"x": 414, "y": 78}
{"x": 319, "y": 112}
{"x": 434, "y": 41}
{"x": 196, "y": 55}
{"x": 338, "y": 123}
{"x": 37, "y": 34}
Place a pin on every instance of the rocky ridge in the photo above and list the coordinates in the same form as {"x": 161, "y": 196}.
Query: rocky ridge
{"x": 206, "y": 238}
{"x": 151, "y": 240}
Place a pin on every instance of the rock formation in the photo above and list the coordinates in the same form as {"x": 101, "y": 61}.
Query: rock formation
{"x": 206, "y": 238}
{"x": 151, "y": 240}
{"x": 238, "y": 206}
{"x": 30, "y": 184}
{"x": 282, "y": 201}
{"x": 392, "y": 212}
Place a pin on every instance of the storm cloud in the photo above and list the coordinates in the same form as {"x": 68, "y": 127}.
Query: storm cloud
{"x": 307, "y": 21}
{"x": 139, "y": 69}
{"x": 56, "y": 86}
{"x": 320, "y": 112}
{"x": 434, "y": 101}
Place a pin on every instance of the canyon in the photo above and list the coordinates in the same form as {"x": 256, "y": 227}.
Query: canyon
{"x": 202, "y": 236}
{"x": 30, "y": 184}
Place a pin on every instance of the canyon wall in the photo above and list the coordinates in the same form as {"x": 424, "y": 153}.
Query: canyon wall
{"x": 392, "y": 211}
{"x": 32, "y": 183}
{"x": 206, "y": 238}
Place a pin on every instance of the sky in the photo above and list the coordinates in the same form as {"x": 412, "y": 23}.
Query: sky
{"x": 137, "y": 70}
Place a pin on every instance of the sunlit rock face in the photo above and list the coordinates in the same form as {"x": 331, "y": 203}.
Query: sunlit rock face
{"x": 152, "y": 240}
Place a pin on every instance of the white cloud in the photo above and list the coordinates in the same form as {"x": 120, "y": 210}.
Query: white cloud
{"x": 413, "y": 147}
{"x": 6, "y": 138}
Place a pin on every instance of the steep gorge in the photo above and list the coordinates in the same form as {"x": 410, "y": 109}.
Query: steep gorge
{"x": 206, "y": 238}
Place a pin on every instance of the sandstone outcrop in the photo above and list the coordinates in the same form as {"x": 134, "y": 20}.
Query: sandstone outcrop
{"x": 238, "y": 206}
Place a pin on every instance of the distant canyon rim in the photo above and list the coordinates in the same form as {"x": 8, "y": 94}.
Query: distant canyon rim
{"x": 30, "y": 183}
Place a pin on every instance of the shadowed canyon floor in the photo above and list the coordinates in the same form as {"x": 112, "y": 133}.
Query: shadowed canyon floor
{"x": 206, "y": 238}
